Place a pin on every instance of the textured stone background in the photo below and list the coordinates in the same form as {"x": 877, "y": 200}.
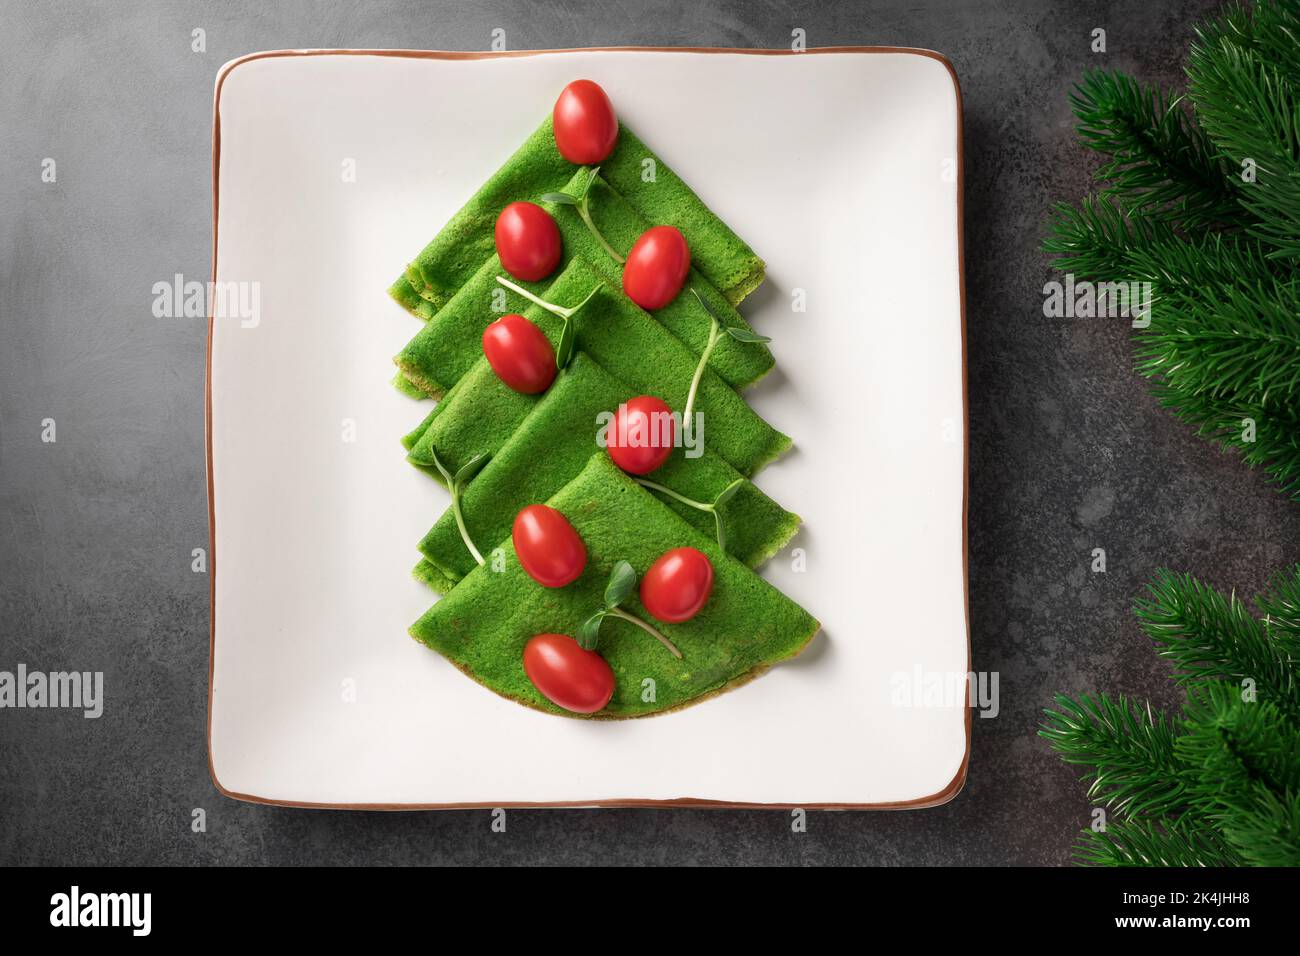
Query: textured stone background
{"x": 1068, "y": 452}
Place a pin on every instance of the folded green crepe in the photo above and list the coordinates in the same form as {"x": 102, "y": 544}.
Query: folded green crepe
{"x": 443, "y": 350}
{"x": 553, "y": 444}
{"x": 643, "y": 179}
{"x": 410, "y": 439}
{"x": 474, "y": 418}
{"x": 407, "y": 387}
{"x": 747, "y": 625}
{"x": 407, "y": 298}
{"x": 628, "y": 344}
{"x": 429, "y": 574}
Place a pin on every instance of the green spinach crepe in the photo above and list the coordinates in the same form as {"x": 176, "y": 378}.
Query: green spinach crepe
{"x": 428, "y": 573}
{"x": 643, "y": 179}
{"x": 481, "y": 411}
{"x": 442, "y": 351}
{"x": 482, "y": 625}
{"x": 552, "y": 445}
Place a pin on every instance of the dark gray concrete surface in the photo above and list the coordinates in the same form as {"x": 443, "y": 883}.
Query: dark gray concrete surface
{"x": 1068, "y": 450}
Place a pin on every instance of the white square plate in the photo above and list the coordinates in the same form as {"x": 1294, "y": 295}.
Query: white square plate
{"x": 842, "y": 169}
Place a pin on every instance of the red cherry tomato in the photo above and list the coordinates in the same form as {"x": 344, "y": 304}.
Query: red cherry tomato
{"x": 642, "y": 434}
{"x": 677, "y": 585}
{"x": 567, "y": 675}
{"x": 656, "y": 267}
{"x": 549, "y": 548}
{"x": 520, "y": 353}
{"x": 528, "y": 241}
{"x": 586, "y": 128}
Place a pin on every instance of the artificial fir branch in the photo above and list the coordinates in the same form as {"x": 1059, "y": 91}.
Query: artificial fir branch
{"x": 1271, "y": 29}
{"x": 1222, "y": 348}
{"x": 1251, "y": 753}
{"x": 1274, "y": 444}
{"x": 1097, "y": 239}
{"x": 1226, "y": 340}
{"x": 1219, "y": 783}
{"x": 1223, "y": 320}
{"x": 1160, "y": 164}
{"x": 1138, "y": 843}
{"x": 1223, "y": 343}
{"x": 1247, "y": 98}
{"x": 1239, "y": 746}
{"x": 1280, "y": 605}
{"x": 1129, "y": 748}
{"x": 1265, "y": 828}
{"x": 1212, "y": 638}
{"x": 1173, "y": 262}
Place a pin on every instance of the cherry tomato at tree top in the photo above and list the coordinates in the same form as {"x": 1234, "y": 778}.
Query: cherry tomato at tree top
{"x": 520, "y": 353}
{"x": 567, "y": 675}
{"x": 528, "y": 241}
{"x": 641, "y": 437}
{"x": 656, "y": 267}
{"x": 586, "y": 128}
{"x": 549, "y": 549}
{"x": 677, "y": 585}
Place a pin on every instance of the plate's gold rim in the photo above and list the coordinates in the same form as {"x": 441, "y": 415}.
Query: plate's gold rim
{"x": 933, "y": 800}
